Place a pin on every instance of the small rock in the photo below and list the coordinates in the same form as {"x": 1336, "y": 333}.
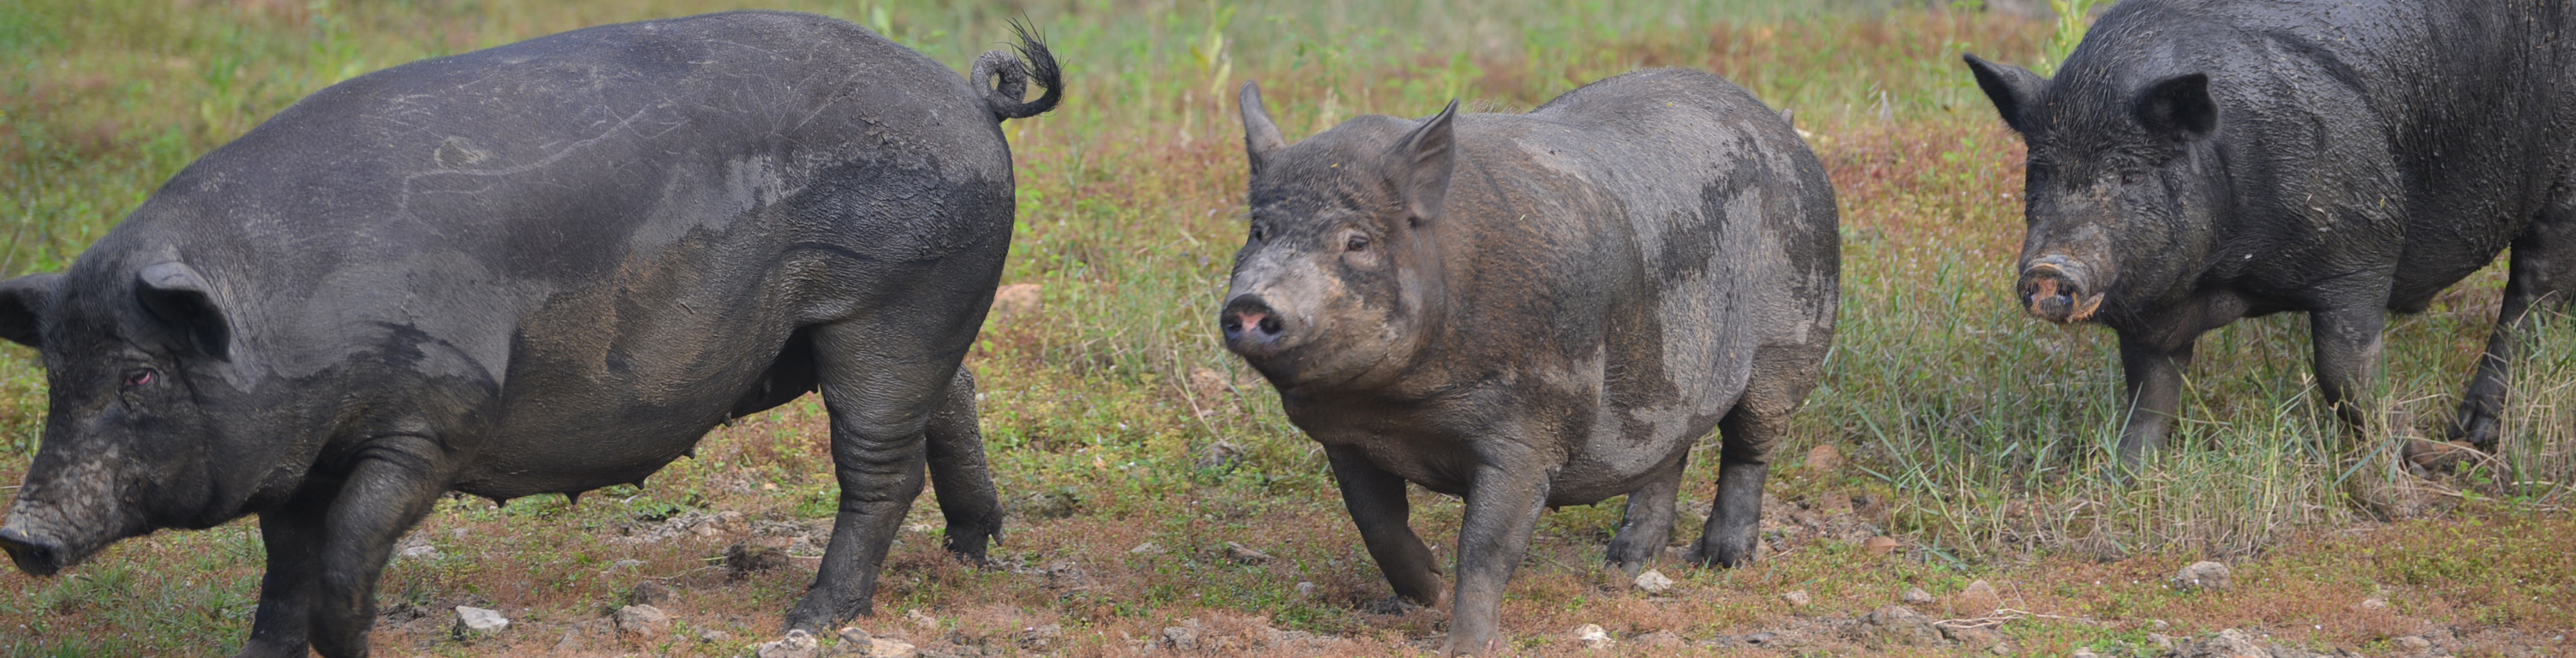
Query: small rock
{"x": 1916, "y": 596}
{"x": 1824, "y": 458}
{"x": 743, "y": 559}
{"x": 649, "y": 593}
{"x": 1978, "y": 599}
{"x": 1901, "y": 625}
{"x": 474, "y": 623}
{"x": 2414, "y": 645}
{"x": 2374, "y": 603}
{"x": 1181, "y": 637}
{"x": 879, "y": 647}
{"x": 1796, "y": 598}
{"x": 643, "y": 620}
{"x": 626, "y": 564}
{"x": 2162, "y": 641}
{"x": 1305, "y": 589}
{"x": 798, "y": 644}
{"x": 1240, "y": 554}
{"x": 2201, "y": 575}
{"x": 421, "y": 552}
{"x": 2230, "y": 643}
{"x": 1879, "y": 546}
{"x": 922, "y": 621}
{"x": 1592, "y": 636}
{"x": 1653, "y": 582}
{"x": 2083, "y": 652}
{"x": 1974, "y": 636}
{"x": 1015, "y": 298}
{"x": 717, "y": 637}
{"x": 1147, "y": 548}
{"x": 854, "y": 637}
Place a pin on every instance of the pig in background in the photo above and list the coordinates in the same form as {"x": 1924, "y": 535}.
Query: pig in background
{"x": 2195, "y": 162}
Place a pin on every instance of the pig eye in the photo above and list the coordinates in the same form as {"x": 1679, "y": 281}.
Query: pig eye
{"x": 1256, "y": 234}
{"x": 1356, "y": 243}
{"x": 141, "y": 377}
{"x": 2132, "y": 176}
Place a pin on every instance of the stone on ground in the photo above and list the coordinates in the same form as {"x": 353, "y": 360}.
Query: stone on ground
{"x": 643, "y": 620}
{"x": 1593, "y": 636}
{"x": 473, "y": 622}
{"x": 2202, "y": 575}
{"x": 1654, "y": 582}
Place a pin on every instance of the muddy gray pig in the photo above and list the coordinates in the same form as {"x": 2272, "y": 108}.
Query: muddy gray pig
{"x": 1535, "y": 310}
{"x": 544, "y": 267}
{"x": 2198, "y": 162}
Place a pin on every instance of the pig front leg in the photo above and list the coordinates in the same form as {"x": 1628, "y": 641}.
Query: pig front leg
{"x": 1503, "y": 504}
{"x": 2154, "y": 394}
{"x": 2347, "y": 344}
{"x": 1377, "y": 505}
{"x": 395, "y": 482}
{"x": 293, "y": 533}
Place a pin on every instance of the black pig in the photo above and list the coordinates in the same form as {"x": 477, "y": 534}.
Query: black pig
{"x": 1539, "y": 309}
{"x": 544, "y": 267}
{"x": 2195, "y": 162}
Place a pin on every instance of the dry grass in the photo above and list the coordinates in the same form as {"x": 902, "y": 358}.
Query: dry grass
{"x": 1974, "y": 436}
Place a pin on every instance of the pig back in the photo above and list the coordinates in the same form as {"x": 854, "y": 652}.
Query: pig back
{"x": 1684, "y": 229}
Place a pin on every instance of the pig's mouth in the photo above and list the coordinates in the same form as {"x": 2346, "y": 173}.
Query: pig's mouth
{"x": 2047, "y": 304}
{"x": 2058, "y": 291}
{"x": 32, "y": 555}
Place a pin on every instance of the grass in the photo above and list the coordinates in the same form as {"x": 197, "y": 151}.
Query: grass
{"x": 1975, "y": 436}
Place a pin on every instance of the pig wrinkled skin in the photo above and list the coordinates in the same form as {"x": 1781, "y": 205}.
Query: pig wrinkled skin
{"x": 2199, "y": 161}
{"x": 1542, "y": 309}
{"x": 544, "y": 267}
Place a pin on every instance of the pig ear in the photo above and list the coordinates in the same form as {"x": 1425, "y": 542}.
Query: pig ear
{"x": 2178, "y": 107}
{"x": 2013, "y": 89}
{"x": 23, "y": 301}
{"x": 176, "y": 294}
{"x": 1421, "y": 164}
{"x": 1260, "y": 136}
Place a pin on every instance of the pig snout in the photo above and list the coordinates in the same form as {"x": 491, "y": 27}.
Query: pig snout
{"x": 32, "y": 555}
{"x": 2056, "y": 289}
{"x": 1251, "y": 327}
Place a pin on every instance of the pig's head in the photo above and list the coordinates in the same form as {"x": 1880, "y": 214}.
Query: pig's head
{"x": 1340, "y": 277}
{"x": 2123, "y": 187}
{"x": 138, "y": 366}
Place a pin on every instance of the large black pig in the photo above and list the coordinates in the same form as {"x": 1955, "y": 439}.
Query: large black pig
{"x": 2195, "y": 162}
{"x": 544, "y": 267}
{"x": 1542, "y": 309}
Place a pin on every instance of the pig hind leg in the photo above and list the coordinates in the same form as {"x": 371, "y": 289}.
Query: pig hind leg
{"x": 1782, "y": 375}
{"x": 959, "y": 476}
{"x": 2543, "y": 270}
{"x": 882, "y": 379}
{"x": 1649, "y": 520}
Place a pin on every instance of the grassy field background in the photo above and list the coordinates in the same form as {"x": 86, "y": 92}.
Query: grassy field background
{"x": 1133, "y": 448}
